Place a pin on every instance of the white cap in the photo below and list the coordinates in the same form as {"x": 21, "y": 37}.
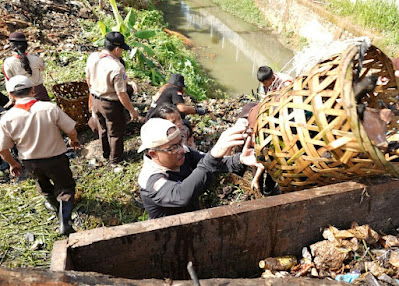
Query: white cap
{"x": 18, "y": 82}
{"x": 154, "y": 133}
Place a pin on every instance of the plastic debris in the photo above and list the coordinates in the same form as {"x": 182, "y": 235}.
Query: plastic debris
{"x": 278, "y": 263}
{"x": 29, "y": 237}
{"x": 349, "y": 277}
{"x": 357, "y": 255}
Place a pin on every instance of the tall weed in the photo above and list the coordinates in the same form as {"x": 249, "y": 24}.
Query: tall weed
{"x": 243, "y": 9}
{"x": 381, "y": 16}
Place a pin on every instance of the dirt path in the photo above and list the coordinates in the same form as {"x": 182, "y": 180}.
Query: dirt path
{"x": 45, "y": 23}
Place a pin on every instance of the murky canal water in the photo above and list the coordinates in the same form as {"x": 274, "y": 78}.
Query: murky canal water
{"x": 230, "y": 49}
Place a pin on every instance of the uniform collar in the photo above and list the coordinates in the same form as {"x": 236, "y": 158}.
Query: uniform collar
{"x": 150, "y": 168}
{"x": 23, "y": 100}
{"x": 14, "y": 54}
{"x": 106, "y": 53}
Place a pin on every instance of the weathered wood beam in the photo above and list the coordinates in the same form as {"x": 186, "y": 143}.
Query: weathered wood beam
{"x": 229, "y": 241}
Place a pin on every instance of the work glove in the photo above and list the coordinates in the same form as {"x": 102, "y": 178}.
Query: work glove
{"x": 200, "y": 110}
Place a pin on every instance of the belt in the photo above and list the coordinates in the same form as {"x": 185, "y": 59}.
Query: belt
{"x": 103, "y": 99}
{"x": 43, "y": 159}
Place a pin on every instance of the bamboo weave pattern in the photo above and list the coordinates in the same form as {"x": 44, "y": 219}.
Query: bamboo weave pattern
{"x": 309, "y": 134}
{"x": 73, "y": 98}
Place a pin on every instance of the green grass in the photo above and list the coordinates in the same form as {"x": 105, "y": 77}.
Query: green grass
{"x": 171, "y": 56}
{"x": 22, "y": 213}
{"x": 377, "y": 15}
{"x": 103, "y": 198}
{"x": 243, "y": 9}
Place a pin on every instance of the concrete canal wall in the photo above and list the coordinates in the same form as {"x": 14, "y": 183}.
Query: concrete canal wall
{"x": 309, "y": 19}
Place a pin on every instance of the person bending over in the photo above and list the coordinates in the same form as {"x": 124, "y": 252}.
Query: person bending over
{"x": 170, "y": 112}
{"x": 34, "y": 128}
{"x": 173, "y": 176}
{"x": 271, "y": 81}
{"x": 172, "y": 92}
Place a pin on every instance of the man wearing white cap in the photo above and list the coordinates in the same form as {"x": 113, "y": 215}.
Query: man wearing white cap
{"x": 174, "y": 176}
{"x": 34, "y": 128}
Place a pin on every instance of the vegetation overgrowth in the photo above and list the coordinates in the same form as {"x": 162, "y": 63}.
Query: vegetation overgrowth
{"x": 243, "y": 9}
{"x": 104, "y": 196}
{"x": 155, "y": 57}
{"x": 381, "y": 16}
{"x": 248, "y": 11}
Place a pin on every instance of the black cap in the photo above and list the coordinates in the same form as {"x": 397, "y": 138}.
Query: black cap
{"x": 177, "y": 79}
{"x": 17, "y": 37}
{"x": 117, "y": 39}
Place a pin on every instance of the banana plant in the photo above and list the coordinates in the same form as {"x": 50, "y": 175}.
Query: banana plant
{"x": 140, "y": 50}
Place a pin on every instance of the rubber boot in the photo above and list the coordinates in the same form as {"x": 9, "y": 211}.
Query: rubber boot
{"x": 268, "y": 186}
{"x": 65, "y": 213}
{"x": 51, "y": 203}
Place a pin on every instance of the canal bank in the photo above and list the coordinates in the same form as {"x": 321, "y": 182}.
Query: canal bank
{"x": 230, "y": 49}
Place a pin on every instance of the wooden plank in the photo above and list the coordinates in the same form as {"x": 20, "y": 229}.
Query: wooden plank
{"x": 229, "y": 241}
{"x": 61, "y": 259}
{"x": 23, "y": 276}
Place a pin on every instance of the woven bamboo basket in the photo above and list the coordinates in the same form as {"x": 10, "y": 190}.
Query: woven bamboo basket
{"x": 309, "y": 134}
{"x": 73, "y": 98}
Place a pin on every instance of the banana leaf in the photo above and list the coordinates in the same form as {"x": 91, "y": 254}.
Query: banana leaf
{"x": 130, "y": 19}
{"x": 145, "y": 34}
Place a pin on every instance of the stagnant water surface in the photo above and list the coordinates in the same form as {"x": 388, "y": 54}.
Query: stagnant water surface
{"x": 230, "y": 49}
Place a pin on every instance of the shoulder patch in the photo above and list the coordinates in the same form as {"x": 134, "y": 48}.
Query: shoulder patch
{"x": 124, "y": 76}
{"x": 179, "y": 93}
{"x": 158, "y": 184}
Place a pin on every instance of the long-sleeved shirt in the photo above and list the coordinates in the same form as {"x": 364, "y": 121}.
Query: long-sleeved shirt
{"x": 181, "y": 188}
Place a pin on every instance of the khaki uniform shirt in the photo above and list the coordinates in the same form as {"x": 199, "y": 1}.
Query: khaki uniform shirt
{"x": 106, "y": 75}
{"x": 36, "y": 133}
{"x": 280, "y": 80}
{"x": 12, "y": 67}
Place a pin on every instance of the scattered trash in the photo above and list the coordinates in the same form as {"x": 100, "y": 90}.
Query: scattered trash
{"x": 29, "y": 237}
{"x": 93, "y": 163}
{"x": 59, "y": 24}
{"x": 118, "y": 170}
{"x": 38, "y": 244}
{"x": 357, "y": 255}
{"x": 278, "y": 263}
{"x": 394, "y": 259}
{"x": 51, "y": 218}
{"x": 349, "y": 277}
{"x": 4, "y": 165}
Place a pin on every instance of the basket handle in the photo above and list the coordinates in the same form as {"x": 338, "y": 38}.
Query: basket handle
{"x": 362, "y": 49}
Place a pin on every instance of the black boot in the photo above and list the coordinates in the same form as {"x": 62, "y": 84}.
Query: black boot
{"x": 268, "y": 186}
{"x": 65, "y": 217}
{"x": 51, "y": 203}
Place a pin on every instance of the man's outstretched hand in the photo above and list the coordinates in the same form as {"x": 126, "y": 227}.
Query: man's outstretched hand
{"x": 233, "y": 136}
{"x": 248, "y": 157}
